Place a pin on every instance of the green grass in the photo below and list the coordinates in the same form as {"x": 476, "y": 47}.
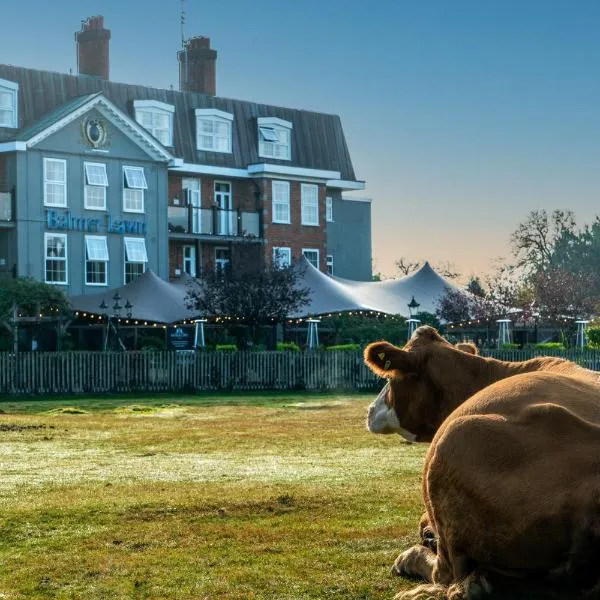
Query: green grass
{"x": 266, "y": 496}
{"x": 272, "y": 496}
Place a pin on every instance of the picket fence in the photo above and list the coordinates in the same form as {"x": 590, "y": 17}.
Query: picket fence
{"x": 59, "y": 373}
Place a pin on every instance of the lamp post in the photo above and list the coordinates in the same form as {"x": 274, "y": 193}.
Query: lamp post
{"x": 412, "y": 323}
{"x": 113, "y": 319}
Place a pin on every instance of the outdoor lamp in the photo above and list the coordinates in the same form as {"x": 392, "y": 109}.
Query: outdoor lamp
{"x": 128, "y": 307}
{"x": 412, "y": 305}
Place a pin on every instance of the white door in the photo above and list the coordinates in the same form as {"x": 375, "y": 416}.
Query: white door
{"x": 223, "y": 204}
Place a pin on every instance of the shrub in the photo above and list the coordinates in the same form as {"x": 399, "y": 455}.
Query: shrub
{"x": 344, "y": 347}
{"x": 226, "y": 348}
{"x": 510, "y": 346}
{"x": 288, "y": 347}
{"x": 550, "y": 346}
{"x": 151, "y": 342}
{"x": 593, "y": 336}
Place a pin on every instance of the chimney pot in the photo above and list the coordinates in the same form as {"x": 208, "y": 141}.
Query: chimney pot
{"x": 92, "y": 48}
{"x": 197, "y": 66}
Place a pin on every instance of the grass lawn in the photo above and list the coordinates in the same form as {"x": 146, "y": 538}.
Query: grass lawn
{"x": 270, "y": 496}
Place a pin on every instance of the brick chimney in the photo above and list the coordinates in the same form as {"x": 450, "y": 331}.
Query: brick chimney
{"x": 92, "y": 48}
{"x": 197, "y": 62}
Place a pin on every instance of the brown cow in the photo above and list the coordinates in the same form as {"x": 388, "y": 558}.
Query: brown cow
{"x": 512, "y": 477}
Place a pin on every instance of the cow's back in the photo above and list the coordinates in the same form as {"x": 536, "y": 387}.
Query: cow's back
{"x": 512, "y": 477}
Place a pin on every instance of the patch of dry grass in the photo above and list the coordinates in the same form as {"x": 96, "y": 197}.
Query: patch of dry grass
{"x": 290, "y": 498}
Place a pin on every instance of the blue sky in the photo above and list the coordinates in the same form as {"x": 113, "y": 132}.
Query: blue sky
{"x": 461, "y": 115}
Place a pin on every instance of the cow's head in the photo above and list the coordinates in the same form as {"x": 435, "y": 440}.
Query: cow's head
{"x": 427, "y": 380}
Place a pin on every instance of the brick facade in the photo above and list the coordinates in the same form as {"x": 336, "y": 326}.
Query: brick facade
{"x": 294, "y": 235}
{"x": 252, "y": 196}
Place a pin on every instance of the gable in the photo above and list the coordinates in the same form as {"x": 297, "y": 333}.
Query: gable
{"x": 72, "y": 138}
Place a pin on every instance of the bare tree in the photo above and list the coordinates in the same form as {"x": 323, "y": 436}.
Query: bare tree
{"x": 534, "y": 240}
{"x": 445, "y": 268}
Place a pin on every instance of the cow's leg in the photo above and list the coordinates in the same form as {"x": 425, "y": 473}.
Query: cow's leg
{"x": 418, "y": 561}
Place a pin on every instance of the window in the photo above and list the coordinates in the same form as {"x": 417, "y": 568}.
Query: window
{"x": 274, "y": 138}
{"x": 192, "y": 193}
{"x": 96, "y": 182}
{"x": 329, "y": 261}
{"x": 96, "y": 259}
{"x": 309, "y": 195}
{"x": 312, "y": 256}
{"x": 135, "y": 258}
{"x": 55, "y": 256}
{"x": 55, "y": 182}
{"x": 329, "y": 209}
{"x": 8, "y": 103}
{"x": 281, "y": 201}
{"x": 222, "y": 261}
{"x": 213, "y": 130}
{"x": 226, "y": 217}
{"x": 189, "y": 260}
{"x": 134, "y": 184}
{"x": 282, "y": 257}
{"x": 156, "y": 118}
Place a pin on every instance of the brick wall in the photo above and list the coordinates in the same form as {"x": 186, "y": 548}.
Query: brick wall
{"x": 295, "y": 235}
{"x": 245, "y": 198}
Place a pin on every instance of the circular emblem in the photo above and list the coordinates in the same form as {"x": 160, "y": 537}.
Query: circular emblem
{"x": 95, "y": 132}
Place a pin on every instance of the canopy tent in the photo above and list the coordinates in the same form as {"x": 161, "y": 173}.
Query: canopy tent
{"x": 152, "y": 299}
{"x": 334, "y": 294}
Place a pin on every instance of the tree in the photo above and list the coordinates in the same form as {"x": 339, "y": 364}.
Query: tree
{"x": 535, "y": 239}
{"x": 475, "y": 287}
{"x": 251, "y": 292}
{"x": 454, "y": 306}
{"x": 27, "y": 300}
{"x": 444, "y": 268}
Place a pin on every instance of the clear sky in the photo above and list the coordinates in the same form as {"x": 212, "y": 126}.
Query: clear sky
{"x": 461, "y": 115}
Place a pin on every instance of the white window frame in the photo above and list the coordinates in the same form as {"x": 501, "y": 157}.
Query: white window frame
{"x": 130, "y": 243}
{"x": 309, "y": 203}
{"x": 285, "y": 188}
{"x": 153, "y": 108}
{"x": 54, "y": 182}
{"x": 11, "y": 88}
{"x": 282, "y": 257}
{"x": 63, "y": 237}
{"x": 103, "y": 258}
{"x": 190, "y": 260}
{"x": 268, "y": 127}
{"x": 193, "y": 198}
{"x": 310, "y": 250}
{"x": 102, "y": 182}
{"x": 221, "y": 265}
{"x": 329, "y": 263}
{"x": 216, "y": 117}
{"x": 329, "y": 209}
{"x": 139, "y": 186}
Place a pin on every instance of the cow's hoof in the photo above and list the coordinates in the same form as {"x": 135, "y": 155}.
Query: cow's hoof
{"x": 408, "y": 562}
{"x": 424, "y": 592}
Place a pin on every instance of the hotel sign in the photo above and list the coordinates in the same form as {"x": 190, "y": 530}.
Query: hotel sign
{"x": 105, "y": 224}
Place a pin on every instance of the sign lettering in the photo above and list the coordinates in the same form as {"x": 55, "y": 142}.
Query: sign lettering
{"x": 69, "y": 222}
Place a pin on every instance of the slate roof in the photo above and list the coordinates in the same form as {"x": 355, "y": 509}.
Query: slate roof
{"x": 318, "y": 140}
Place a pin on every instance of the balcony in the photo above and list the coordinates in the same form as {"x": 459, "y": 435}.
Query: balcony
{"x": 209, "y": 222}
{"x": 6, "y": 211}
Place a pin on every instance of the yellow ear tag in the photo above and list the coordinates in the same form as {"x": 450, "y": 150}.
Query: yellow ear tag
{"x": 381, "y": 355}
{"x": 388, "y": 364}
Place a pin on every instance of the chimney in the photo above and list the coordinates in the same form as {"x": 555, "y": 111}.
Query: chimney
{"x": 92, "y": 48}
{"x": 197, "y": 62}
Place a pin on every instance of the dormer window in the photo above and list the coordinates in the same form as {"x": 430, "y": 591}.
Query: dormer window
{"x": 157, "y": 118}
{"x": 213, "y": 130}
{"x": 274, "y": 138}
{"x": 8, "y": 103}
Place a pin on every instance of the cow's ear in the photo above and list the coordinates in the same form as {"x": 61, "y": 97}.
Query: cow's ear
{"x": 468, "y": 348}
{"x": 384, "y": 358}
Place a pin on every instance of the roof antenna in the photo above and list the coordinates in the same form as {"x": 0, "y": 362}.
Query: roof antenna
{"x": 183, "y": 15}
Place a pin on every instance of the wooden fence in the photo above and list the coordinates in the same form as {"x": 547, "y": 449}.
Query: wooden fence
{"x": 116, "y": 372}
